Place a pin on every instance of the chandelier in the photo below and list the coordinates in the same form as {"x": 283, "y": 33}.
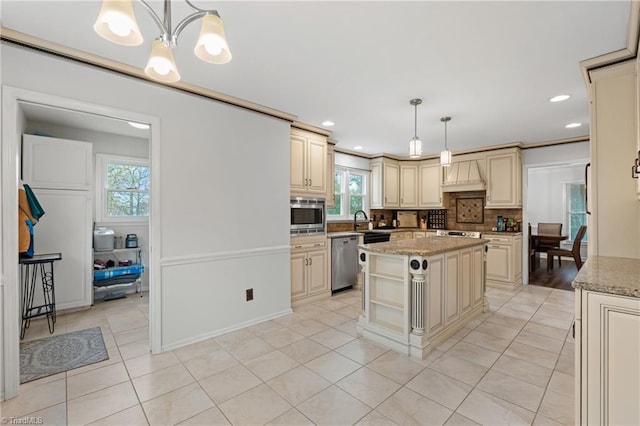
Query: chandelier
{"x": 445, "y": 156}
{"x": 117, "y": 23}
{"x": 415, "y": 144}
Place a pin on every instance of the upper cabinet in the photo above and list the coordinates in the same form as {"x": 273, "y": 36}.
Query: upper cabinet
{"x": 612, "y": 192}
{"x": 429, "y": 185}
{"x": 408, "y": 184}
{"x": 385, "y": 183}
{"x": 331, "y": 179}
{"x": 42, "y": 157}
{"x": 308, "y": 164}
{"x": 504, "y": 180}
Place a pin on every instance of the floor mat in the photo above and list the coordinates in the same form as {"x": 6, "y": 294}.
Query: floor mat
{"x": 55, "y": 354}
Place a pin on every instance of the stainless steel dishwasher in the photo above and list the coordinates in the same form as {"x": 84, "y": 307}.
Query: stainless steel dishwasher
{"x": 344, "y": 262}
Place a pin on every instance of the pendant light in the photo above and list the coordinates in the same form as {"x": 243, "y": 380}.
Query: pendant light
{"x": 415, "y": 144}
{"x": 445, "y": 156}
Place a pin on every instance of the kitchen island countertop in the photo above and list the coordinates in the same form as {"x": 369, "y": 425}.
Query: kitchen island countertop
{"x": 423, "y": 246}
{"x": 611, "y": 275}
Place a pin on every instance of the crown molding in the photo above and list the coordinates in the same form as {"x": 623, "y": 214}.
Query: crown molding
{"x": 48, "y": 47}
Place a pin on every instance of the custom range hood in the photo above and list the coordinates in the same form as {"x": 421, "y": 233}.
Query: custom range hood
{"x": 463, "y": 176}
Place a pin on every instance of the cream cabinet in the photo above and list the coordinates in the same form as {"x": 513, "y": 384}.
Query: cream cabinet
{"x": 607, "y": 355}
{"x": 309, "y": 270}
{"x": 308, "y": 163}
{"x": 408, "y": 184}
{"x": 400, "y": 235}
{"x": 504, "y": 180}
{"x": 612, "y": 193}
{"x": 331, "y": 180}
{"x": 424, "y": 234}
{"x": 504, "y": 261}
{"x": 385, "y": 183}
{"x": 430, "y": 185}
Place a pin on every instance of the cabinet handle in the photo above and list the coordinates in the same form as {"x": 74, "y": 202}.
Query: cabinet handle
{"x": 309, "y": 182}
{"x": 586, "y": 188}
{"x": 310, "y": 261}
{"x": 306, "y": 261}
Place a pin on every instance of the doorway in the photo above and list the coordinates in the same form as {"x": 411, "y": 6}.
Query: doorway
{"x": 21, "y": 111}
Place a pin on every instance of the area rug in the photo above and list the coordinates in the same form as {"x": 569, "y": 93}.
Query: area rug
{"x": 55, "y": 354}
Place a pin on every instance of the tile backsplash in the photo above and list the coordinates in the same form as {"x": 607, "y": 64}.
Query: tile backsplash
{"x": 489, "y": 219}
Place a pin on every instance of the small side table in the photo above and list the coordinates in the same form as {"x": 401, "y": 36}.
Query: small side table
{"x": 42, "y": 263}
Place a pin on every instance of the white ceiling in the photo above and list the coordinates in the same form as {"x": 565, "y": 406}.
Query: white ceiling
{"x": 491, "y": 66}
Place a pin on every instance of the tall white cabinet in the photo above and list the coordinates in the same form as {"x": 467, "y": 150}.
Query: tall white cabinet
{"x": 612, "y": 192}
{"x": 60, "y": 173}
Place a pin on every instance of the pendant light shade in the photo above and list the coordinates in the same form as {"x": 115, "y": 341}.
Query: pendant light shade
{"x": 445, "y": 156}
{"x": 161, "y": 65}
{"x": 415, "y": 144}
{"x": 212, "y": 44}
{"x": 117, "y": 23}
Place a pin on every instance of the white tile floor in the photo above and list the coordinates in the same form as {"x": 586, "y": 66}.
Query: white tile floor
{"x": 512, "y": 365}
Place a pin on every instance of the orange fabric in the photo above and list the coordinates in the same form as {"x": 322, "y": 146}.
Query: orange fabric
{"x": 24, "y": 214}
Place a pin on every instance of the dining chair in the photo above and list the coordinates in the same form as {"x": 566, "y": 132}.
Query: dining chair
{"x": 574, "y": 252}
{"x": 548, "y": 229}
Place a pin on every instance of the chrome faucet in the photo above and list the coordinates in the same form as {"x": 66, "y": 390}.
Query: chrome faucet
{"x": 355, "y": 219}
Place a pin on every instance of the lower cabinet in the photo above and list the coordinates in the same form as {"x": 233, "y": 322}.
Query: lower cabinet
{"x": 504, "y": 261}
{"x": 400, "y": 235}
{"x": 309, "y": 271}
{"x": 607, "y": 331}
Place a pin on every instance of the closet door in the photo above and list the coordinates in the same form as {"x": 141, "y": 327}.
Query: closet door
{"x": 66, "y": 228}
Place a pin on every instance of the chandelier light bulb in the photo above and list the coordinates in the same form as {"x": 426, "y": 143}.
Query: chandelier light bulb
{"x": 117, "y": 23}
{"x": 161, "y": 65}
{"x": 212, "y": 44}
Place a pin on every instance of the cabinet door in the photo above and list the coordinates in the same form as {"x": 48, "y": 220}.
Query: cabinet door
{"x": 317, "y": 166}
{"x": 376, "y": 185}
{"x": 434, "y": 296}
{"x": 478, "y": 275}
{"x": 430, "y": 181}
{"x": 331, "y": 179}
{"x": 317, "y": 281}
{"x": 613, "y": 349}
{"x": 498, "y": 262}
{"x": 408, "y": 185}
{"x": 502, "y": 180}
{"x": 391, "y": 185}
{"x": 298, "y": 275}
{"x": 51, "y": 163}
{"x": 66, "y": 229}
{"x": 298, "y": 160}
{"x": 451, "y": 288}
{"x": 466, "y": 280}
{"x": 516, "y": 258}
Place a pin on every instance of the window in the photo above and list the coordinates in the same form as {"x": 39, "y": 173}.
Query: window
{"x": 576, "y": 214}
{"x": 350, "y": 193}
{"x": 123, "y": 189}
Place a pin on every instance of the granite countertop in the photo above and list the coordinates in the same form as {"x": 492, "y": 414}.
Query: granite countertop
{"x": 343, "y": 234}
{"x": 500, "y": 233}
{"x": 423, "y": 246}
{"x": 612, "y": 275}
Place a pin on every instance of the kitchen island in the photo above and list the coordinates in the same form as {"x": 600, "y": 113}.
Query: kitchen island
{"x": 419, "y": 292}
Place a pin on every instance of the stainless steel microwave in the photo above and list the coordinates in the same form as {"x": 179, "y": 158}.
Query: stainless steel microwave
{"x": 307, "y": 216}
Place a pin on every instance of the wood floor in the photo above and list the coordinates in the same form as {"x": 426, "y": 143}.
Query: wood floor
{"x": 558, "y": 277}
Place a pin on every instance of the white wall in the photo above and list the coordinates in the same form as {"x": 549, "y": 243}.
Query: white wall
{"x": 556, "y": 154}
{"x": 545, "y": 192}
{"x": 212, "y": 201}
{"x": 351, "y": 161}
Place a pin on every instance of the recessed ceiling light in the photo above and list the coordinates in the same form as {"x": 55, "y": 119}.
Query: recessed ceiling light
{"x": 572, "y": 125}
{"x": 142, "y": 126}
{"x": 328, "y": 123}
{"x": 559, "y": 98}
{"x": 359, "y": 147}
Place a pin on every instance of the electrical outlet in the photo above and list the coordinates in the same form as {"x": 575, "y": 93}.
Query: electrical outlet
{"x": 249, "y": 294}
